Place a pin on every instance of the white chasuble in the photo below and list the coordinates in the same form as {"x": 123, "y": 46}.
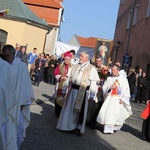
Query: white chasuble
{"x": 24, "y": 94}
{"x": 8, "y": 109}
{"x": 112, "y": 112}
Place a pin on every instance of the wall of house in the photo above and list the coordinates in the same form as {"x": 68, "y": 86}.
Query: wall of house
{"x": 134, "y": 41}
{"x": 74, "y": 41}
{"x": 24, "y": 34}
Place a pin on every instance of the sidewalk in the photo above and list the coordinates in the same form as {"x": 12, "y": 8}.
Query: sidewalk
{"x": 43, "y": 93}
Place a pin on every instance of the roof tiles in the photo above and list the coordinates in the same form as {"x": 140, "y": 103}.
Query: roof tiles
{"x": 49, "y": 14}
{"x": 87, "y": 42}
{"x": 46, "y": 9}
{"x": 45, "y": 3}
{"x": 18, "y": 9}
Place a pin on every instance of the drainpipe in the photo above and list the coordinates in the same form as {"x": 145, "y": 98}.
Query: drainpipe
{"x": 129, "y": 30}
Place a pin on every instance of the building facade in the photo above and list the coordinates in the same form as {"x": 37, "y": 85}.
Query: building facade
{"x": 18, "y": 24}
{"x": 131, "y": 38}
{"x": 91, "y": 45}
{"x": 52, "y": 12}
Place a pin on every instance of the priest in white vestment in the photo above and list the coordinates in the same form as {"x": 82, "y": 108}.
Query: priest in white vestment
{"x": 23, "y": 90}
{"x": 116, "y": 107}
{"x": 8, "y": 104}
{"x": 83, "y": 87}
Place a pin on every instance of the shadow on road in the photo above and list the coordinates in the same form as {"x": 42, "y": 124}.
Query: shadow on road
{"x": 43, "y": 135}
{"x": 131, "y": 130}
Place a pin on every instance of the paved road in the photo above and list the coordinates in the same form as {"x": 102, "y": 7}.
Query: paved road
{"x": 42, "y": 133}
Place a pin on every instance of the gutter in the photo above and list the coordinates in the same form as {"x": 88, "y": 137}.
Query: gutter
{"x": 28, "y": 21}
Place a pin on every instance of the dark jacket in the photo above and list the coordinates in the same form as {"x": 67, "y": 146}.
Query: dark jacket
{"x": 24, "y": 58}
{"x": 37, "y": 65}
{"x": 132, "y": 80}
{"x": 50, "y": 68}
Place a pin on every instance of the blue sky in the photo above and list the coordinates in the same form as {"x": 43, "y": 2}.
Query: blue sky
{"x": 89, "y": 18}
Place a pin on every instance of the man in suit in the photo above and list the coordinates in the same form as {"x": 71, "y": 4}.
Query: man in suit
{"x": 18, "y": 50}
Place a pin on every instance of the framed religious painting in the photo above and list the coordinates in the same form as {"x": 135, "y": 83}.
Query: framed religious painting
{"x": 103, "y": 48}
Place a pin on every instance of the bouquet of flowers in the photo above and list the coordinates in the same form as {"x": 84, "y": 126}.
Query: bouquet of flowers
{"x": 103, "y": 73}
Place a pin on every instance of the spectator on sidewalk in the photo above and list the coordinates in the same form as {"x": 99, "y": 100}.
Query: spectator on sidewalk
{"x": 51, "y": 68}
{"x": 39, "y": 69}
{"x": 24, "y": 56}
{"x": 132, "y": 81}
{"x": 31, "y": 59}
{"x": 138, "y": 97}
{"x": 18, "y": 50}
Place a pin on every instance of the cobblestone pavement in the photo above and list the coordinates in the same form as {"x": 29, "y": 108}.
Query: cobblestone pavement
{"x": 43, "y": 135}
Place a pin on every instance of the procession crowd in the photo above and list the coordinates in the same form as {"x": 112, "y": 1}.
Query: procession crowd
{"x": 86, "y": 92}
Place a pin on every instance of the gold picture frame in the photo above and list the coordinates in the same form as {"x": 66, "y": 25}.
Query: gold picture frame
{"x": 104, "y": 48}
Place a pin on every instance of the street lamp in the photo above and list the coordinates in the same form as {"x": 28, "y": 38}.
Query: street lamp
{"x": 117, "y": 49}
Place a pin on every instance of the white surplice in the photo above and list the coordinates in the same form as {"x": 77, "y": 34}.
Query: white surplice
{"x": 65, "y": 83}
{"x": 113, "y": 114}
{"x": 68, "y": 119}
{"x": 24, "y": 94}
{"x": 8, "y": 104}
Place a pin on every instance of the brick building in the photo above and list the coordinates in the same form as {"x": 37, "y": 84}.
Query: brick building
{"x": 131, "y": 38}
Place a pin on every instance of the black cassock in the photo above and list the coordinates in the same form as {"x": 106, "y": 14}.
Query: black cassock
{"x": 146, "y": 129}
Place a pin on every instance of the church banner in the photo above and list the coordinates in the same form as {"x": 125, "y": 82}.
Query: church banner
{"x": 103, "y": 48}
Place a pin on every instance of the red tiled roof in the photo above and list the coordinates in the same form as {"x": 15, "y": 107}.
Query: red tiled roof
{"x": 88, "y": 42}
{"x": 45, "y": 3}
{"x": 49, "y": 14}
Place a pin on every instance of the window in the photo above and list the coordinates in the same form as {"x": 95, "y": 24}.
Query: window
{"x": 135, "y": 14}
{"x": 129, "y": 19}
{"x": 148, "y": 9}
{"x": 3, "y": 38}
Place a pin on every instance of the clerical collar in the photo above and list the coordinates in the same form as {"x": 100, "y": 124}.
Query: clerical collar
{"x": 115, "y": 75}
{"x": 98, "y": 66}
